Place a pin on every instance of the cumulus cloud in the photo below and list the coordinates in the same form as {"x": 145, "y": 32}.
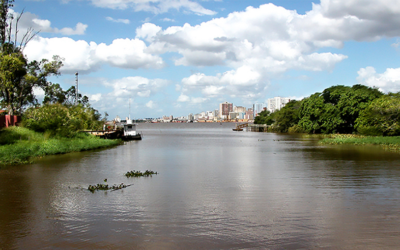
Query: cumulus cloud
{"x": 87, "y": 57}
{"x": 122, "y": 91}
{"x": 154, "y": 6}
{"x": 389, "y": 81}
{"x": 29, "y": 20}
{"x": 258, "y": 43}
{"x": 150, "y": 104}
{"x": 191, "y": 100}
{"x": 125, "y": 21}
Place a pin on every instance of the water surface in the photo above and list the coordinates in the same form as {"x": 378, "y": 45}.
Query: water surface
{"x": 216, "y": 189}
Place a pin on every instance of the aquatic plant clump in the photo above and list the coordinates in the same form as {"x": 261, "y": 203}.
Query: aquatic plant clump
{"x": 387, "y": 142}
{"x": 93, "y": 188}
{"x": 134, "y": 173}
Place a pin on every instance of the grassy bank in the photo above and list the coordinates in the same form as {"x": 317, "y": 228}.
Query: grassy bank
{"x": 20, "y": 145}
{"x": 387, "y": 142}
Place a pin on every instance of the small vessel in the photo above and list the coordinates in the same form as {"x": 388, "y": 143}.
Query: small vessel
{"x": 130, "y": 132}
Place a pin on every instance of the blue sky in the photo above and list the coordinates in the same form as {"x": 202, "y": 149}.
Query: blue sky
{"x": 175, "y": 57}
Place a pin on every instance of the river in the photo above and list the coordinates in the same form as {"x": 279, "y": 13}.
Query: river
{"x": 216, "y": 189}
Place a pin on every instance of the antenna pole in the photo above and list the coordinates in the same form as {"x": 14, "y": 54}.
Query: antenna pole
{"x": 76, "y": 90}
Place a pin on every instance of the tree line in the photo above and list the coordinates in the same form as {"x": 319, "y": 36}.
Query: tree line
{"x": 61, "y": 111}
{"x": 339, "y": 109}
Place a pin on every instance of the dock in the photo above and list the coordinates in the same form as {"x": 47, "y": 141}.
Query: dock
{"x": 258, "y": 127}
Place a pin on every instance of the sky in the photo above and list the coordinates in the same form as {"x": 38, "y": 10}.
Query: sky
{"x": 152, "y": 58}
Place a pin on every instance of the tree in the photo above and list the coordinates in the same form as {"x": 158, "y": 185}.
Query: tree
{"x": 336, "y": 109}
{"x": 60, "y": 119}
{"x": 287, "y": 117}
{"x": 5, "y": 5}
{"x": 381, "y": 117}
{"x": 264, "y": 117}
{"x": 18, "y": 78}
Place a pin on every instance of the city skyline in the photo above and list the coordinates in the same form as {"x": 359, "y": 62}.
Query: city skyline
{"x": 176, "y": 57}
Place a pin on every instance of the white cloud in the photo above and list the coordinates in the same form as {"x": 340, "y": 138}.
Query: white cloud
{"x": 148, "y": 31}
{"x": 125, "y": 90}
{"x": 191, "y": 100}
{"x": 154, "y": 6}
{"x": 259, "y": 43}
{"x": 86, "y": 57}
{"x": 183, "y": 98}
{"x": 136, "y": 86}
{"x": 128, "y": 53}
{"x": 29, "y": 20}
{"x": 150, "y": 104}
{"x": 125, "y": 21}
{"x": 389, "y": 81}
{"x": 167, "y": 19}
{"x": 95, "y": 97}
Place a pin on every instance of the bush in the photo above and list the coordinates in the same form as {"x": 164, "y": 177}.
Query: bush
{"x": 13, "y": 134}
{"x": 61, "y": 120}
{"x": 296, "y": 129}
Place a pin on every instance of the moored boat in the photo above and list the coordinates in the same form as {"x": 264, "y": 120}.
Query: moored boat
{"x": 130, "y": 132}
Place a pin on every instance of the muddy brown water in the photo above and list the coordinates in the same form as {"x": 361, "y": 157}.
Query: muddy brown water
{"x": 216, "y": 189}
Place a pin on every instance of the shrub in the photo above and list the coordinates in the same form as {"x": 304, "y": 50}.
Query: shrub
{"x": 61, "y": 120}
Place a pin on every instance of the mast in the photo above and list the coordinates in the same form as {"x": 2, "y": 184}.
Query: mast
{"x": 129, "y": 108}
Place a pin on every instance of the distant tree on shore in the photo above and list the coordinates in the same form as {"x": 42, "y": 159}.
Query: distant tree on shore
{"x": 381, "y": 117}
{"x": 336, "y": 109}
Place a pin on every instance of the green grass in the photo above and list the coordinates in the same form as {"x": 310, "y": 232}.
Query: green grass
{"x": 388, "y": 142}
{"x": 20, "y": 145}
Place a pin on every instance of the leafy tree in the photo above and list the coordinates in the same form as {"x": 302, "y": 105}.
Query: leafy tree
{"x": 264, "y": 117}
{"x": 287, "y": 117}
{"x": 55, "y": 94}
{"x": 354, "y": 101}
{"x": 336, "y": 109}
{"x": 18, "y": 78}
{"x": 381, "y": 117}
{"x": 62, "y": 120}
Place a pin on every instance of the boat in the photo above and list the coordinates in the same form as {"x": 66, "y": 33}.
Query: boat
{"x": 237, "y": 129}
{"x": 130, "y": 132}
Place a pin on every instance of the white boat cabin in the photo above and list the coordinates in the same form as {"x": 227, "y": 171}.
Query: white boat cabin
{"x": 130, "y": 128}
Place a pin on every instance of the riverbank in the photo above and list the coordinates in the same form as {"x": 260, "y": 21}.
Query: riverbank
{"x": 387, "y": 142}
{"x": 20, "y": 145}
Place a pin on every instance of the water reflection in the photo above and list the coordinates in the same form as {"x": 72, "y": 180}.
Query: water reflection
{"x": 216, "y": 189}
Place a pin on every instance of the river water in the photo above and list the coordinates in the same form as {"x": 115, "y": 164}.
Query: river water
{"x": 216, "y": 189}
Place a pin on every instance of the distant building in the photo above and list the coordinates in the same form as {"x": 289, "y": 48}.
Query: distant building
{"x": 258, "y": 108}
{"x": 167, "y": 118}
{"x": 216, "y": 114}
{"x": 190, "y": 117}
{"x": 210, "y": 115}
{"x": 233, "y": 115}
{"x": 239, "y": 109}
{"x": 225, "y": 108}
{"x": 241, "y": 115}
{"x": 276, "y": 103}
{"x": 249, "y": 114}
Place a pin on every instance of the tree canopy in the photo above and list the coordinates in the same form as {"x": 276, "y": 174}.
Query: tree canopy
{"x": 339, "y": 109}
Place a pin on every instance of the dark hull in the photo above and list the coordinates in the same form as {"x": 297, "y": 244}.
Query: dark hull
{"x": 132, "y": 137}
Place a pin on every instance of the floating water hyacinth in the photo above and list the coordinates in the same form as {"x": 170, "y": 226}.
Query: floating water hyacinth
{"x": 93, "y": 188}
{"x": 134, "y": 173}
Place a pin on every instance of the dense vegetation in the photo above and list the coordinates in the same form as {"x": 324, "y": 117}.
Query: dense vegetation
{"x": 339, "y": 109}
{"x": 20, "y": 145}
{"x": 50, "y": 127}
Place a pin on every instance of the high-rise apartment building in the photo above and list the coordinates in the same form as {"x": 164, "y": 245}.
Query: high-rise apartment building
{"x": 239, "y": 109}
{"x": 224, "y": 109}
{"x": 258, "y": 108}
{"x": 277, "y": 103}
